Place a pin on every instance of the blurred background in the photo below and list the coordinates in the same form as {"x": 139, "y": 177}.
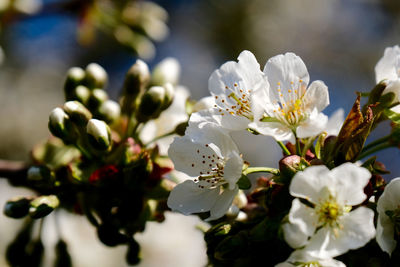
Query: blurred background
{"x": 339, "y": 40}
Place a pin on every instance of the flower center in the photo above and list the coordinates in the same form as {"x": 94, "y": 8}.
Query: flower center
{"x": 290, "y": 108}
{"x": 212, "y": 166}
{"x": 236, "y": 101}
{"x": 307, "y": 264}
{"x": 329, "y": 212}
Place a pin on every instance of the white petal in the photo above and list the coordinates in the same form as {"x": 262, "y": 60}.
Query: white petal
{"x": 335, "y": 122}
{"x": 385, "y": 233}
{"x": 304, "y": 217}
{"x": 390, "y": 199}
{"x": 393, "y": 87}
{"x": 200, "y": 118}
{"x": 188, "y": 198}
{"x": 222, "y": 204}
{"x": 317, "y": 96}
{"x": 187, "y": 156}
{"x": 357, "y": 229}
{"x": 285, "y": 70}
{"x": 233, "y": 169}
{"x": 277, "y": 130}
{"x": 309, "y": 183}
{"x": 385, "y": 68}
{"x": 313, "y": 126}
{"x": 304, "y": 257}
{"x": 204, "y": 103}
{"x": 350, "y": 181}
{"x": 293, "y": 236}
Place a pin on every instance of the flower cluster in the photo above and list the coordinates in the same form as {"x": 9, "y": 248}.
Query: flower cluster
{"x": 105, "y": 159}
{"x": 320, "y": 203}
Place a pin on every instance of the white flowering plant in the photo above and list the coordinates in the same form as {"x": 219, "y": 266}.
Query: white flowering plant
{"x": 120, "y": 164}
{"x": 326, "y": 204}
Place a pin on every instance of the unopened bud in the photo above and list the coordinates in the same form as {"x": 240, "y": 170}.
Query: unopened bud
{"x": 75, "y": 77}
{"x": 96, "y": 76}
{"x": 290, "y": 165}
{"x": 169, "y": 96}
{"x": 43, "y": 206}
{"x": 97, "y": 97}
{"x": 17, "y": 207}
{"x": 81, "y": 93}
{"x": 39, "y": 173}
{"x": 59, "y": 123}
{"x": 151, "y": 103}
{"x": 167, "y": 71}
{"x": 78, "y": 113}
{"x": 110, "y": 110}
{"x": 99, "y": 134}
{"x": 181, "y": 128}
{"x": 137, "y": 77}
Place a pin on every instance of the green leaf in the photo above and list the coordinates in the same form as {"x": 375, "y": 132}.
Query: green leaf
{"x": 244, "y": 182}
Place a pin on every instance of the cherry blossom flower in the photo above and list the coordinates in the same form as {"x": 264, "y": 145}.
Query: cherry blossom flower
{"x": 388, "y": 69}
{"x": 232, "y": 86}
{"x": 211, "y": 157}
{"x": 388, "y": 216}
{"x": 328, "y": 227}
{"x": 291, "y": 108}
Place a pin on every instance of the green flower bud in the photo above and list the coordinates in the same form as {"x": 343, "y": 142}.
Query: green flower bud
{"x": 81, "y": 93}
{"x": 290, "y": 165}
{"x": 99, "y": 134}
{"x": 136, "y": 79}
{"x": 75, "y": 77}
{"x": 60, "y": 123}
{"x": 169, "y": 96}
{"x": 43, "y": 206}
{"x": 78, "y": 113}
{"x": 110, "y": 110}
{"x": 151, "y": 102}
{"x": 97, "y": 97}
{"x": 39, "y": 173}
{"x": 167, "y": 71}
{"x": 96, "y": 76}
{"x": 17, "y": 207}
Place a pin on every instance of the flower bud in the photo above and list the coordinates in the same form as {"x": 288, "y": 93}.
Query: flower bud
{"x": 290, "y": 165}
{"x": 75, "y": 77}
{"x": 110, "y": 110}
{"x": 59, "y": 123}
{"x": 137, "y": 77}
{"x": 99, "y": 134}
{"x": 17, "y": 207}
{"x": 78, "y": 113}
{"x": 132, "y": 255}
{"x": 39, "y": 174}
{"x": 43, "y": 206}
{"x": 151, "y": 103}
{"x": 81, "y": 94}
{"x": 97, "y": 97}
{"x": 167, "y": 71}
{"x": 169, "y": 96}
{"x": 96, "y": 76}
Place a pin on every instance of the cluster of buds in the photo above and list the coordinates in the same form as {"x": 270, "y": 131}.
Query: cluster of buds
{"x": 96, "y": 163}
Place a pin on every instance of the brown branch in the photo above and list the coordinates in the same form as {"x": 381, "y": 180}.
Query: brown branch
{"x": 14, "y": 171}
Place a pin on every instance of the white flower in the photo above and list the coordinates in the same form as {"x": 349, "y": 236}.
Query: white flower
{"x": 388, "y": 204}
{"x": 167, "y": 121}
{"x": 290, "y": 107}
{"x": 167, "y": 71}
{"x": 329, "y": 222}
{"x": 301, "y": 258}
{"x": 232, "y": 86}
{"x": 388, "y": 68}
{"x": 212, "y": 159}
